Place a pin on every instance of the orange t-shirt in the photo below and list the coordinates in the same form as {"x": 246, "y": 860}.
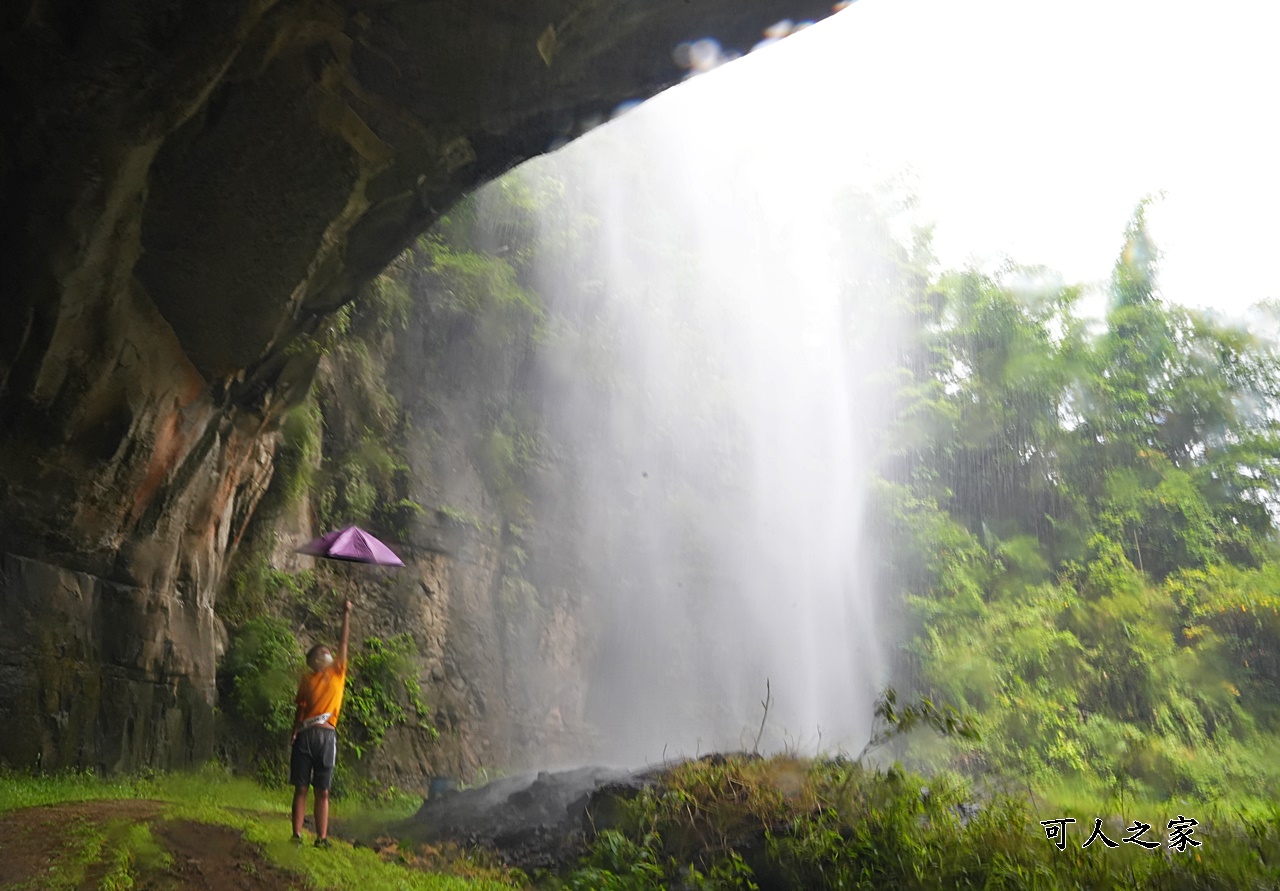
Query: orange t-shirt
{"x": 321, "y": 691}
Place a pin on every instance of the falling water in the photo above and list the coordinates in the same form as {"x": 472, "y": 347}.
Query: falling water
{"x": 716, "y": 389}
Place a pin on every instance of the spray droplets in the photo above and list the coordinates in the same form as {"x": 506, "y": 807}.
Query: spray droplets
{"x": 779, "y": 30}
{"x": 699, "y": 56}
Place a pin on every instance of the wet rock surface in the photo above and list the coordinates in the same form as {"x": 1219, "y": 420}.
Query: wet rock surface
{"x": 534, "y": 821}
{"x": 104, "y": 674}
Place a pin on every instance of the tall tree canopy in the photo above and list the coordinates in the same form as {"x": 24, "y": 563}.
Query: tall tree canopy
{"x": 1082, "y": 521}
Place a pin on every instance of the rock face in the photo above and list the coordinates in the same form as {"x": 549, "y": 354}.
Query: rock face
{"x": 533, "y": 821}
{"x": 507, "y": 660}
{"x": 186, "y": 190}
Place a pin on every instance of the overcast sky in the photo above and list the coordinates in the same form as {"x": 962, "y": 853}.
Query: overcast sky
{"x": 1031, "y": 129}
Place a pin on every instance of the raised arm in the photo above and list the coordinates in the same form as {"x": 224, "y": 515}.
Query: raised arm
{"x": 346, "y": 633}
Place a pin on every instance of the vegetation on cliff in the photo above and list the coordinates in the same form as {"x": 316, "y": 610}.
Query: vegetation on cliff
{"x": 344, "y": 457}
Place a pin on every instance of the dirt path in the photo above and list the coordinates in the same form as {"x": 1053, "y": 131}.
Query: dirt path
{"x": 75, "y": 846}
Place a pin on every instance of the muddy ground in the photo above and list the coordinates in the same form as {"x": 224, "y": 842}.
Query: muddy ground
{"x": 74, "y": 845}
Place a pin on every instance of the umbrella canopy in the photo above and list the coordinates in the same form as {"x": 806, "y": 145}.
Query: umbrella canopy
{"x": 352, "y": 544}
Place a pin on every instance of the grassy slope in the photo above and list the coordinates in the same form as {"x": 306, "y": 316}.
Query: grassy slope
{"x": 213, "y": 797}
{"x": 790, "y": 824}
{"x": 738, "y": 823}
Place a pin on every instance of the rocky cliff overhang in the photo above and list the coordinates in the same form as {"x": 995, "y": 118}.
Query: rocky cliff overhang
{"x": 187, "y": 189}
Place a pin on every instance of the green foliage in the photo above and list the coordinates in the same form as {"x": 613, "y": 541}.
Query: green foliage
{"x": 835, "y": 824}
{"x": 389, "y": 299}
{"x": 1232, "y": 616}
{"x": 894, "y": 720}
{"x": 616, "y": 863}
{"x": 354, "y": 436}
{"x": 258, "y": 589}
{"x": 505, "y": 455}
{"x": 382, "y": 691}
{"x": 133, "y": 848}
{"x": 263, "y": 664}
{"x": 461, "y": 517}
{"x": 258, "y": 680}
{"x": 481, "y": 317}
{"x": 297, "y": 458}
{"x": 1079, "y": 526}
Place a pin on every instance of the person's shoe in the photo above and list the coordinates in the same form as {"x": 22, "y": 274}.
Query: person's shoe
{"x": 297, "y": 841}
{"x": 322, "y": 843}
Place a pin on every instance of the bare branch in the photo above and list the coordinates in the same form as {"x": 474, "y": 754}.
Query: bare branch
{"x": 768, "y": 698}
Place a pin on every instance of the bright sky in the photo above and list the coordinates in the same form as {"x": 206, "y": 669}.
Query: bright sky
{"x": 1030, "y": 129}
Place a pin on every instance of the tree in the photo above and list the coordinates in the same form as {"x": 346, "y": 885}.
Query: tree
{"x": 1082, "y": 524}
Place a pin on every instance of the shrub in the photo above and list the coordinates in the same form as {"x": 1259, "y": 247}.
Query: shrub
{"x": 259, "y": 679}
{"x": 785, "y": 823}
{"x": 382, "y": 690}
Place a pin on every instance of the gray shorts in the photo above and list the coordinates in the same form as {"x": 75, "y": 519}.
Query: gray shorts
{"x": 314, "y": 754}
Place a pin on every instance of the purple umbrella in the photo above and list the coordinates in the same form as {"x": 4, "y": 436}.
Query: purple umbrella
{"x": 352, "y": 544}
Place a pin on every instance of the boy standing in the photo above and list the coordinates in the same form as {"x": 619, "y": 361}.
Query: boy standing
{"x": 315, "y": 738}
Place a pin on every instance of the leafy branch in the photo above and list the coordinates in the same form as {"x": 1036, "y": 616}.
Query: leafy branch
{"x": 893, "y": 720}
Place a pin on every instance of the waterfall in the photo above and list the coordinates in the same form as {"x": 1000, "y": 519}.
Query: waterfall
{"x": 716, "y": 387}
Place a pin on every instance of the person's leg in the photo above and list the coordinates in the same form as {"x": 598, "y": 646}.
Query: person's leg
{"x": 326, "y": 757}
{"x": 322, "y": 813}
{"x": 300, "y": 809}
{"x": 300, "y": 769}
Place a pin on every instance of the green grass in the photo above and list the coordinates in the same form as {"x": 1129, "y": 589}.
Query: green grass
{"x": 340, "y": 867}
{"x": 80, "y": 847}
{"x": 113, "y": 849}
{"x": 209, "y": 784}
{"x": 17, "y": 790}
{"x": 130, "y": 845}
{"x": 212, "y": 796}
{"x": 826, "y": 824}
{"x": 734, "y": 823}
